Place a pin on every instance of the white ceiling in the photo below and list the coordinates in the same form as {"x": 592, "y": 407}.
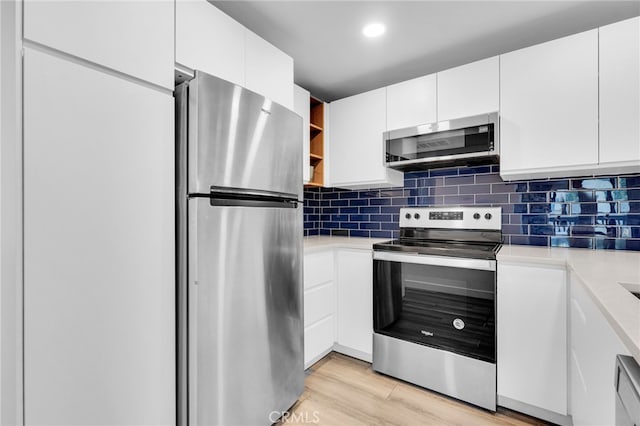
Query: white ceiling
{"x": 333, "y": 60}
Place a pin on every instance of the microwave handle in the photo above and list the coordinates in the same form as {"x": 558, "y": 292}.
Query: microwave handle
{"x": 453, "y": 262}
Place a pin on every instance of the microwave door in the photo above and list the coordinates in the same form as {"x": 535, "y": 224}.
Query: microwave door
{"x": 445, "y": 143}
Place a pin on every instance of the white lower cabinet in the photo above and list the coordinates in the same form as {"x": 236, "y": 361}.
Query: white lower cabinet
{"x": 592, "y": 357}
{"x": 338, "y": 303}
{"x": 319, "y": 305}
{"x": 532, "y": 337}
{"x": 355, "y": 302}
{"x": 556, "y": 350}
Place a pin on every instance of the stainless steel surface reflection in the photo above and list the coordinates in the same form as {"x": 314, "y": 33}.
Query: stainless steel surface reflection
{"x": 239, "y": 260}
{"x": 245, "y": 312}
{"x": 627, "y": 385}
{"x": 442, "y": 371}
{"x": 240, "y": 139}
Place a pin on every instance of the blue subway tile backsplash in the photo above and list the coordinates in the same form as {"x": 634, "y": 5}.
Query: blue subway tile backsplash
{"x": 588, "y": 212}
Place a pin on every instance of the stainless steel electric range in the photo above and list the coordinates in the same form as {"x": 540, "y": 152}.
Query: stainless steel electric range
{"x": 434, "y": 301}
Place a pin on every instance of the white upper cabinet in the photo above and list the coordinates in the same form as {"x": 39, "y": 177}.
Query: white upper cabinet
{"x": 549, "y": 108}
{"x": 470, "y": 89}
{"x": 411, "y": 103}
{"x": 301, "y": 107}
{"x": 269, "y": 71}
{"x": 356, "y": 142}
{"x": 464, "y": 91}
{"x": 620, "y": 93}
{"x": 133, "y": 37}
{"x": 209, "y": 40}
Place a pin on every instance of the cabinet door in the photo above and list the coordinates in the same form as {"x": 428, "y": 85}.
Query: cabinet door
{"x": 133, "y": 37}
{"x": 356, "y": 144}
{"x": 99, "y": 282}
{"x": 209, "y": 40}
{"x": 269, "y": 71}
{"x": 411, "y": 103}
{"x": 355, "y": 302}
{"x": 532, "y": 336}
{"x": 301, "y": 107}
{"x": 549, "y": 107}
{"x": 593, "y": 349}
{"x": 620, "y": 92}
{"x": 468, "y": 90}
{"x": 319, "y": 305}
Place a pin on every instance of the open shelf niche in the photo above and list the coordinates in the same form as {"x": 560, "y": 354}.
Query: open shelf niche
{"x": 316, "y": 142}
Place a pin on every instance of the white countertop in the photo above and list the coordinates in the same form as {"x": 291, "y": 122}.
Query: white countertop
{"x": 316, "y": 243}
{"x": 600, "y": 271}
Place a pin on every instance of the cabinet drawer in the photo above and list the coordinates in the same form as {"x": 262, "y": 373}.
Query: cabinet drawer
{"x": 318, "y": 339}
{"x": 318, "y": 268}
{"x": 319, "y": 302}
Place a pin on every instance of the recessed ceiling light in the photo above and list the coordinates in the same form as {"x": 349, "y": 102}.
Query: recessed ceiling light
{"x": 374, "y": 29}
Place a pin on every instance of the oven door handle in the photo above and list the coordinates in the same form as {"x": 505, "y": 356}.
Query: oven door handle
{"x": 421, "y": 259}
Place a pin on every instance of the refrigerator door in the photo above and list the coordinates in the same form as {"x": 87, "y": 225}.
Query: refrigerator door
{"x": 239, "y": 139}
{"x": 245, "y": 313}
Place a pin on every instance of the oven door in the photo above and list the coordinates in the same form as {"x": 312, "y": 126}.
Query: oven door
{"x": 442, "y": 302}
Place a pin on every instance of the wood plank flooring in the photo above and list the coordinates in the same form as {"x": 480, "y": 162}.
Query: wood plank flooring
{"x": 343, "y": 391}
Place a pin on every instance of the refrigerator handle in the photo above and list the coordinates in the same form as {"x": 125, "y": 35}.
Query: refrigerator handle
{"x": 226, "y": 192}
{"x": 251, "y": 198}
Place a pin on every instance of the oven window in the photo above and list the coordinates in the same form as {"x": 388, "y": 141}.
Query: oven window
{"x": 447, "y": 308}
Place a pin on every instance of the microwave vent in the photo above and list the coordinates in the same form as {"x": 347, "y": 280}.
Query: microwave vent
{"x": 433, "y": 144}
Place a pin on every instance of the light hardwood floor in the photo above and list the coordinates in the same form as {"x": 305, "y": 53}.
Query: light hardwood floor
{"x": 343, "y": 391}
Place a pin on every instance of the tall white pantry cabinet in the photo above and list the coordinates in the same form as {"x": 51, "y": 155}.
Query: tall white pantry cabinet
{"x": 98, "y": 144}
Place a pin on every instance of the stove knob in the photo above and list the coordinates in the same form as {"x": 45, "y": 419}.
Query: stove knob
{"x": 416, "y": 216}
{"x": 408, "y": 215}
{"x": 487, "y": 216}
{"x": 476, "y": 216}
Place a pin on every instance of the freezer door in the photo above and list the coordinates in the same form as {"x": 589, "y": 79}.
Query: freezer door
{"x": 245, "y": 313}
{"x": 239, "y": 139}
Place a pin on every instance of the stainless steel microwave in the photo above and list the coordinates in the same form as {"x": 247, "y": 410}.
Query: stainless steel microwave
{"x": 463, "y": 141}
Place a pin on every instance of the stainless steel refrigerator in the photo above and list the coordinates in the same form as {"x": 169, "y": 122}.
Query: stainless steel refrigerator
{"x": 239, "y": 245}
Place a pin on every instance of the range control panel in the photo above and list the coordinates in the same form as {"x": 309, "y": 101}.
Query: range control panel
{"x": 455, "y": 215}
{"x": 451, "y": 217}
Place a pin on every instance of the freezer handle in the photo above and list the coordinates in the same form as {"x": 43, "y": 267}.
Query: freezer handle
{"x": 251, "y": 198}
